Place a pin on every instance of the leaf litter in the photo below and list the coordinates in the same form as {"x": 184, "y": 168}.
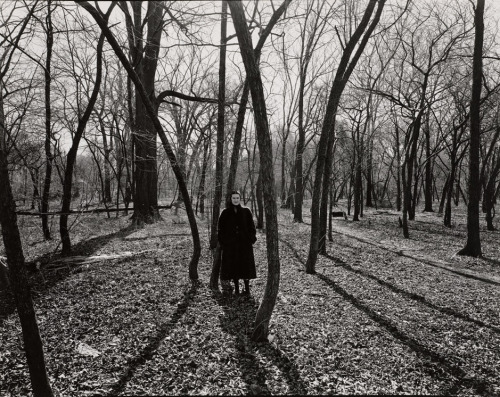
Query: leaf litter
{"x": 368, "y": 322}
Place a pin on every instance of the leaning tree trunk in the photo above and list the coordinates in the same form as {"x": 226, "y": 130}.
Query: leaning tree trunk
{"x": 473, "y": 245}
{"x": 18, "y": 277}
{"x": 266, "y": 307}
{"x": 325, "y": 145}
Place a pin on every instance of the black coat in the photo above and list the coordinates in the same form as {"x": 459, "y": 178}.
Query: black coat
{"x": 236, "y": 234}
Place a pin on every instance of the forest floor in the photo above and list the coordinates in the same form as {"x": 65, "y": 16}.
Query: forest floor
{"x": 382, "y": 315}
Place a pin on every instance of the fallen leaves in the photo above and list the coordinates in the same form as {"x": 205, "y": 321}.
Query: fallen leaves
{"x": 369, "y": 322}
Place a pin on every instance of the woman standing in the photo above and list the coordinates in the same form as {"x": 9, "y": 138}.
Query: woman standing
{"x": 236, "y": 234}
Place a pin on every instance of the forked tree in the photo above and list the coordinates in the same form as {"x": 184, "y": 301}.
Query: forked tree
{"x": 266, "y": 307}
{"x": 348, "y": 61}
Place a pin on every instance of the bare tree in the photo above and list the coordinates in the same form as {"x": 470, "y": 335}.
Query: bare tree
{"x": 473, "y": 244}
{"x": 12, "y": 239}
{"x": 266, "y": 307}
{"x": 325, "y": 146}
{"x": 151, "y": 112}
{"x": 72, "y": 153}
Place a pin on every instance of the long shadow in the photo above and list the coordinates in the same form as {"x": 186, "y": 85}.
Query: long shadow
{"x": 41, "y": 281}
{"x": 481, "y": 387}
{"x": 461, "y": 273}
{"x": 238, "y": 319}
{"x": 492, "y": 261}
{"x": 155, "y": 340}
{"x": 413, "y": 296}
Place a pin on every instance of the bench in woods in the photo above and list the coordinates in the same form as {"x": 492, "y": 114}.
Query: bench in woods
{"x": 338, "y": 214}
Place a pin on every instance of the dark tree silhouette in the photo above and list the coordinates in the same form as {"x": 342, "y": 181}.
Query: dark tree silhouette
{"x": 266, "y": 307}
{"x": 473, "y": 245}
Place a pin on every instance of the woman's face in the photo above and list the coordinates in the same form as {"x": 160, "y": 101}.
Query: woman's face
{"x": 235, "y": 199}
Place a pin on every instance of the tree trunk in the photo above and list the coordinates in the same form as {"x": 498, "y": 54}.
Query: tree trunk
{"x": 259, "y": 196}
{"x": 106, "y": 165}
{"x": 238, "y": 133}
{"x": 292, "y": 189}
{"x": 449, "y": 183}
{"x": 72, "y": 153}
{"x": 266, "y": 307}
{"x": 219, "y": 161}
{"x": 48, "y": 128}
{"x": 473, "y": 245}
{"x": 323, "y": 208}
{"x": 18, "y": 277}
{"x": 369, "y": 175}
{"x": 358, "y": 187}
{"x": 443, "y": 195}
{"x": 325, "y": 144}
{"x": 145, "y": 59}
{"x": 415, "y": 194}
{"x": 398, "y": 170}
{"x": 489, "y": 196}
{"x": 204, "y": 166}
{"x": 428, "y": 169}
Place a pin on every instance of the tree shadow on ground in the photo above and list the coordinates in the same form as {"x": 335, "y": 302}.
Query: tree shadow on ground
{"x": 43, "y": 280}
{"x": 490, "y": 260}
{"x": 154, "y": 342}
{"x": 410, "y": 295}
{"x": 480, "y": 386}
{"x": 237, "y": 320}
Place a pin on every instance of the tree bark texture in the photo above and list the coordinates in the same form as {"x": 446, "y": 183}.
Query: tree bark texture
{"x": 48, "y": 126}
{"x": 428, "y": 168}
{"x": 219, "y": 161}
{"x": 473, "y": 244}
{"x": 145, "y": 59}
{"x": 18, "y": 277}
{"x": 266, "y": 307}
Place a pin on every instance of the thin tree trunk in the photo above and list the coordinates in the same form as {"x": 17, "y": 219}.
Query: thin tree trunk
{"x": 219, "y": 176}
{"x": 72, "y": 153}
{"x": 428, "y": 169}
{"x": 444, "y": 195}
{"x": 369, "y": 175}
{"x": 48, "y": 127}
{"x": 398, "y": 171}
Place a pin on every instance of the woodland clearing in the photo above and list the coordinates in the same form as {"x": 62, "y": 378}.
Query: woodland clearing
{"x": 383, "y": 314}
